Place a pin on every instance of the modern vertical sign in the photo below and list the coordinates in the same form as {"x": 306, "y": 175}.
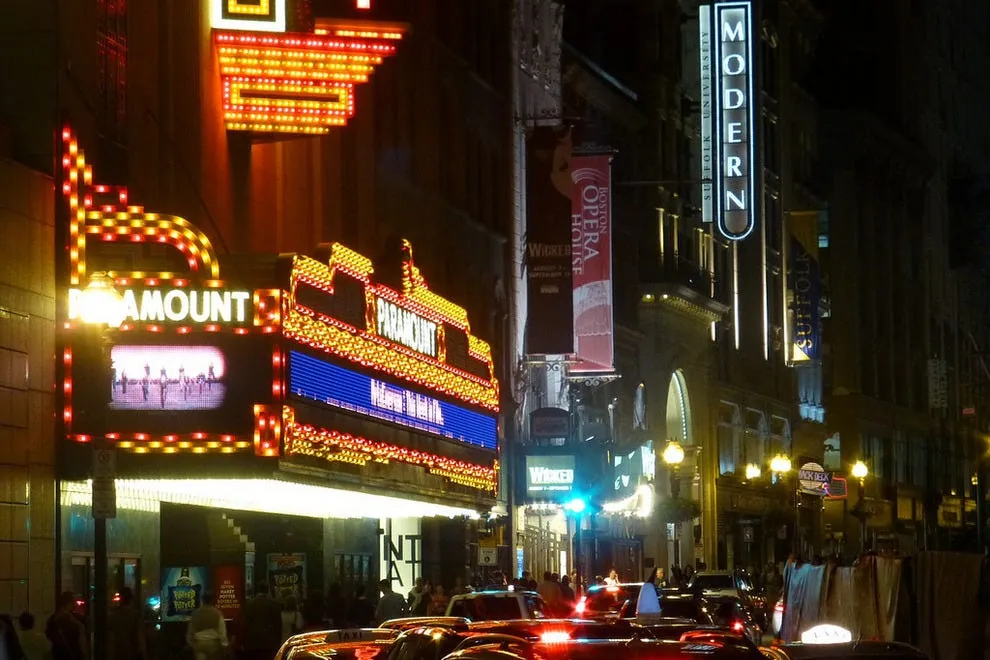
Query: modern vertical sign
{"x": 591, "y": 262}
{"x": 707, "y": 148}
{"x": 733, "y": 122}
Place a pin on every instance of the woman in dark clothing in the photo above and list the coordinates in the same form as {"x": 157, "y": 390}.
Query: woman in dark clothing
{"x": 11, "y": 642}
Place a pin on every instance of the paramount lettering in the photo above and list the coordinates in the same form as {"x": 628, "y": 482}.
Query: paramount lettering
{"x": 406, "y": 328}
{"x": 178, "y": 305}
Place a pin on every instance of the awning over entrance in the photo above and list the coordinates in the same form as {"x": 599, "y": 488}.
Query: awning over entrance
{"x": 261, "y": 495}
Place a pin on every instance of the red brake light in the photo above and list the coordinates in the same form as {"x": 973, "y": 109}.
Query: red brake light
{"x": 555, "y": 637}
{"x": 581, "y": 605}
{"x": 738, "y": 626}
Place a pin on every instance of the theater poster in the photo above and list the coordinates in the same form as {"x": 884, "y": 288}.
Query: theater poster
{"x": 228, "y": 584}
{"x": 287, "y": 575}
{"x": 182, "y": 591}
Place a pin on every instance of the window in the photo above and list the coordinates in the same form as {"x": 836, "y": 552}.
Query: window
{"x": 111, "y": 60}
{"x": 757, "y": 437}
{"x": 729, "y": 432}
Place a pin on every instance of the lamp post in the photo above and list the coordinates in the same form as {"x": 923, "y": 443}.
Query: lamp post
{"x": 673, "y": 456}
{"x": 860, "y": 472}
{"x": 100, "y": 306}
{"x": 780, "y": 466}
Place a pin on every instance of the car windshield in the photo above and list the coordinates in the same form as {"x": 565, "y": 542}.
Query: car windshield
{"x": 610, "y": 599}
{"x": 681, "y": 609}
{"x": 487, "y": 608}
{"x": 712, "y": 582}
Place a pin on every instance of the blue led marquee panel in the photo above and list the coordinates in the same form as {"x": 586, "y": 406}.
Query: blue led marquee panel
{"x": 314, "y": 379}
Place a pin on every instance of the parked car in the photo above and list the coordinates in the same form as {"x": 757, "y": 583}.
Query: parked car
{"x": 497, "y": 606}
{"x": 607, "y": 601}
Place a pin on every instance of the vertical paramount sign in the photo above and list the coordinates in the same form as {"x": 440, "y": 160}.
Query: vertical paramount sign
{"x": 728, "y": 118}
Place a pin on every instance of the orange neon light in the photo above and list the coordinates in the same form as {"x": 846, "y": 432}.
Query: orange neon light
{"x": 366, "y": 347}
{"x": 296, "y": 83}
{"x": 334, "y": 446}
{"x": 112, "y": 221}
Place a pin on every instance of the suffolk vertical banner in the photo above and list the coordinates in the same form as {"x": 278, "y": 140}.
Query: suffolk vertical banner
{"x": 591, "y": 262}
{"x": 806, "y": 291}
{"x": 550, "y": 323}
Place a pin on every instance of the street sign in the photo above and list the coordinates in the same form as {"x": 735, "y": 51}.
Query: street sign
{"x": 487, "y": 556}
{"x": 104, "y": 463}
{"x": 104, "y": 496}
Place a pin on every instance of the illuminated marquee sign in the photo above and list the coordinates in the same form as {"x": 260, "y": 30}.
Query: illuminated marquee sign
{"x": 549, "y": 474}
{"x": 348, "y": 390}
{"x": 156, "y": 369}
{"x": 179, "y": 306}
{"x": 321, "y": 315}
{"x": 274, "y": 81}
{"x": 406, "y": 328}
{"x": 733, "y": 170}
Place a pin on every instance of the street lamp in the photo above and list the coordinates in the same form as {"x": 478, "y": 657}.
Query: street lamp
{"x": 753, "y": 471}
{"x": 101, "y": 307}
{"x": 673, "y": 456}
{"x": 860, "y": 471}
{"x": 779, "y": 466}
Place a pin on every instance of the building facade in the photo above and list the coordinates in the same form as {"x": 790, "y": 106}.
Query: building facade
{"x": 400, "y": 140}
{"x": 907, "y": 376}
{"x": 27, "y": 344}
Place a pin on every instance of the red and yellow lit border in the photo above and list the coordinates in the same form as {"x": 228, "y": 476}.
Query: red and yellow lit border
{"x": 337, "y": 447}
{"x": 367, "y": 348}
{"x": 296, "y": 83}
{"x": 103, "y": 213}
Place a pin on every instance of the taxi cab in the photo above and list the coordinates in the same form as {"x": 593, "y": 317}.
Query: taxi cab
{"x": 830, "y": 642}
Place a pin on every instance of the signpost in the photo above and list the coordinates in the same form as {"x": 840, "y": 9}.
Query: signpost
{"x": 104, "y": 490}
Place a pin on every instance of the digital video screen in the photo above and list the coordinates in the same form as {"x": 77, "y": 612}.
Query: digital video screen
{"x": 167, "y": 377}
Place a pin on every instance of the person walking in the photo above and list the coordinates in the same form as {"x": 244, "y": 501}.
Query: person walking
{"x": 34, "y": 643}
{"x": 65, "y": 632}
{"x": 10, "y": 643}
{"x": 206, "y": 634}
{"x": 291, "y": 618}
{"x": 648, "y": 602}
{"x": 262, "y": 625}
{"x": 391, "y": 605}
{"x": 361, "y": 613}
{"x": 549, "y": 591}
{"x": 126, "y": 629}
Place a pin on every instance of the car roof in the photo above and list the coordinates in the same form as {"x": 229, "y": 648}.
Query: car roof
{"x": 621, "y": 585}
{"x": 863, "y": 649}
{"x": 497, "y": 594}
{"x": 418, "y": 621}
{"x": 703, "y": 573}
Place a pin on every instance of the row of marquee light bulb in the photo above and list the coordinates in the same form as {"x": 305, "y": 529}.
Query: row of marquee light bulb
{"x": 673, "y": 454}
{"x": 330, "y": 445}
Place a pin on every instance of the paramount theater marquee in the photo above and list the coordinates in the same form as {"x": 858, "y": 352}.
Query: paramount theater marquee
{"x": 312, "y": 367}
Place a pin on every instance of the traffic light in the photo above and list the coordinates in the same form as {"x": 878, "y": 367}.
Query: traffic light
{"x": 576, "y": 505}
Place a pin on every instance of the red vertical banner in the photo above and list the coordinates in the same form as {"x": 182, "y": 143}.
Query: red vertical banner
{"x": 591, "y": 253}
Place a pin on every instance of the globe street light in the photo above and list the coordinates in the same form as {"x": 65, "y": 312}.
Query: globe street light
{"x": 101, "y": 307}
{"x": 673, "y": 453}
{"x": 753, "y": 471}
{"x": 860, "y": 471}
{"x": 780, "y": 464}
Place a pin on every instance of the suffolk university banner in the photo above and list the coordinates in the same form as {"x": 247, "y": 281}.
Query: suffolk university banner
{"x": 591, "y": 259}
{"x": 806, "y": 289}
{"x": 550, "y": 326}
